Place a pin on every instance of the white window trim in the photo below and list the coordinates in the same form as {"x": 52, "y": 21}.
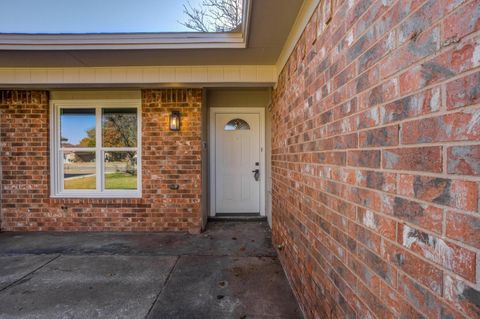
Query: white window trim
{"x": 56, "y": 159}
{"x": 127, "y": 41}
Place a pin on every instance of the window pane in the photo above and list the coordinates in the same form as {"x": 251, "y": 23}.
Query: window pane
{"x": 121, "y": 170}
{"x": 119, "y": 127}
{"x": 77, "y": 127}
{"x": 126, "y": 16}
{"x": 236, "y": 124}
{"x": 79, "y": 170}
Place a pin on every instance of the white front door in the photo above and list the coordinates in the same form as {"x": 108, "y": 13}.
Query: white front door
{"x": 237, "y": 157}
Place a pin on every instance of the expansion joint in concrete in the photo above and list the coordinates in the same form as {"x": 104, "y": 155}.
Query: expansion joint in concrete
{"x": 21, "y": 279}
{"x": 165, "y": 283}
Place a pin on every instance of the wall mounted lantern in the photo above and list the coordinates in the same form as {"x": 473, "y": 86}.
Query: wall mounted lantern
{"x": 175, "y": 121}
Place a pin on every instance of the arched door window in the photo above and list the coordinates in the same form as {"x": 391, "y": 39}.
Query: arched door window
{"x": 236, "y": 124}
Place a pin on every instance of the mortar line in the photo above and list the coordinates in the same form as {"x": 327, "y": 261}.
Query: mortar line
{"x": 163, "y": 286}
{"x": 28, "y": 274}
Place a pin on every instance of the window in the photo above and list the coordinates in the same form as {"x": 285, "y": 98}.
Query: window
{"x": 112, "y": 16}
{"x": 96, "y": 149}
{"x": 236, "y": 124}
{"x": 90, "y": 24}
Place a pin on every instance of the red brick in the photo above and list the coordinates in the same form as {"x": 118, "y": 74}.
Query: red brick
{"x": 339, "y": 221}
{"x": 345, "y": 76}
{"x": 427, "y": 159}
{"x": 463, "y": 21}
{"x": 421, "y": 45}
{"x": 382, "y": 93}
{"x": 377, "y": 180}
{"x": 384, "y": 226}
{"x": 312, "y": 30}
{"x": 365, "y": 274}
{"x": 412, "y": 80}
{"x": 423, "y": 272}
{"x": 425, "y": 216}
{"x": 373, "y": 14}
{"x": 464, "y": 160}
{"x": 367, "y": 119}
{"x": 385, "y": 136}
{"x": 460, "y": 58}
{"x": 367, "y": 79}
{"x": 426, "y": 16}
{"x": 345, "y": 109}
{"x": 464, "y": 228}
{"x": 368, "y": 238}
{"x": 424, "y": 300}
{"x": 461, "y": 126}
{"x": 422, "y": 103}
{"x": 462, "y": 297}
{"x": 373, "y": 302}
{"x": 25, "y": 114}
{"x": 454, "y": 193}
{"x": 445, "y": 253}
{"x": 396, "y": 304}
{"x": 358, "y": 8}
{"x": 383, "y": 269}
{"x": 336, "y": 158}
{"x": 464, "y": 91}
{"x": 369, "y": 159}
{"x": 376, "y": 52}
{"x": 360, "y": 46}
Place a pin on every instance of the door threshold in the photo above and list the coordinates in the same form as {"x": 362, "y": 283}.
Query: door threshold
{"x": 237, "y": 217}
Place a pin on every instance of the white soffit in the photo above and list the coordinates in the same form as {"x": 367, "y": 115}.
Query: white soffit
{"x": 170, "y": 75}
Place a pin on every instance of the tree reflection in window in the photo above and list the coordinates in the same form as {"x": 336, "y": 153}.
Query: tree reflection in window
{"x": 237, "y": 124}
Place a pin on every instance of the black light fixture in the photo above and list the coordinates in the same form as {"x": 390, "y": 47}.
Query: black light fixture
{"x": 175, "y": 121}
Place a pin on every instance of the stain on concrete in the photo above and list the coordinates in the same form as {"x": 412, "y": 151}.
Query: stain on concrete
{"x": 215, "y": 241}
{"x": 256, "y": 288}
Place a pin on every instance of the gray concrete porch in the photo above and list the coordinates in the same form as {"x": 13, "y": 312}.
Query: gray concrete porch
{"x": 230, "y": 271}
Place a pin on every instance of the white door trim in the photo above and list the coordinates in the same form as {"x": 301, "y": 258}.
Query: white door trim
{"x": 236, "y": 110}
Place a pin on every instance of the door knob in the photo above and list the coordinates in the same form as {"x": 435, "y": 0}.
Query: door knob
{"x": 256, "y": 174}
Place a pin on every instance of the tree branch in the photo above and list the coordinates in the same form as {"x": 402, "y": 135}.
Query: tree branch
{"x": 213, "y": 16}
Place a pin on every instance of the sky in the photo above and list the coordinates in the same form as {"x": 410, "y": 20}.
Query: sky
{"x": 74, "y": 128}
{"x": 92, "y": 16}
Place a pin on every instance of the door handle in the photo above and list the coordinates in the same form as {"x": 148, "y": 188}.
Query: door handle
{"x": 256, "y": 174}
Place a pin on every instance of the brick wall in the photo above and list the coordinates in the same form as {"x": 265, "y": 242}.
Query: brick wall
{"x": 167, "y": 157}
{"x": 376, "y": 161}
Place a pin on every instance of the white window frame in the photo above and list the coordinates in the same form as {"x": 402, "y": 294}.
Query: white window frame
{"x": 56, "y": 151}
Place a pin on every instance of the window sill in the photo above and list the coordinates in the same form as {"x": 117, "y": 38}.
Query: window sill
{"x": 123, "y": 195}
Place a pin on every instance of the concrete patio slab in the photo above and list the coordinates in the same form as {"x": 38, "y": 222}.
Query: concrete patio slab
{"x": 226, "y": 287}
{"x": 88, "y": 287}
{"x": 16, "y": 267}
{"x": 230, "y": 271}
{"x": 220, "y": 239}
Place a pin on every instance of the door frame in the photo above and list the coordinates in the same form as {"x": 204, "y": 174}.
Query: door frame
{"x": 235, "y": 110}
